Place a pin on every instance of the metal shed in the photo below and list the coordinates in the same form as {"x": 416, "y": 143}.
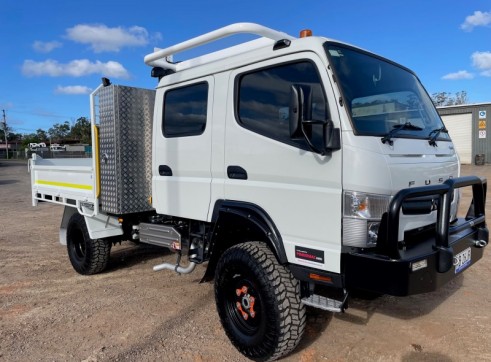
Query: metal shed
{"x": 469, "y": 128}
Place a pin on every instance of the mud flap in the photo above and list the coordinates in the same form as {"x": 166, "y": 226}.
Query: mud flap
{"x": 67, "y": 214}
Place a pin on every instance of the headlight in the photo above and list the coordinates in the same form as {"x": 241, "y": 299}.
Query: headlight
{"x": 362, "y": 213}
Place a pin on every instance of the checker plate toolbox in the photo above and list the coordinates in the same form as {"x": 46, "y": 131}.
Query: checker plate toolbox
{"x": 125, "y": 130}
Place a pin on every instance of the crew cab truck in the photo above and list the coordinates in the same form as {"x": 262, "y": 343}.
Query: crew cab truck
{"x": 299, "y": 169}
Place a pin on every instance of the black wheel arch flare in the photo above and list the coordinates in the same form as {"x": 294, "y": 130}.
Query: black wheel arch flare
{"x": 236, "y": 222}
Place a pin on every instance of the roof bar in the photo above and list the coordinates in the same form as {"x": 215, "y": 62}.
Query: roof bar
{"x": 158, "y": 58}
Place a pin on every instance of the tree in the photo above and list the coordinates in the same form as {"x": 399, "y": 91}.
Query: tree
{"x": 461, "y": 98}
{"x": 2, "y": 132}
{"x": 81, "y": 130}
{"x": 15, "y": 137}
{"x": 30, "y": 138}
{"x": 59, "y": 131}
{"x": 41, "y": 135}
{"x": 441, "y": 99}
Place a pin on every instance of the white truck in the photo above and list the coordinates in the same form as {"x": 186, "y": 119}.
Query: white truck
{"x": 55, "y": 147}
{"x": 299, "y": 169}
{"x": 35, "y": 146}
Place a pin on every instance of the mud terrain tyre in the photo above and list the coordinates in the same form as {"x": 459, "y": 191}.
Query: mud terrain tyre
{"x": 258, "y": 302}
{"x": 87, "y": 256}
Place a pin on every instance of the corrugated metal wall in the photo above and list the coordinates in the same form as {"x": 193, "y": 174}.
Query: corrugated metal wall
{"x": 479, "y": 145}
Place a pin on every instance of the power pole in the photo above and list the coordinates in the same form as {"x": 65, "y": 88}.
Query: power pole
{"x": 5, "y": 133}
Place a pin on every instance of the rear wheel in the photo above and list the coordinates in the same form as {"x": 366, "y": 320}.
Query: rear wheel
{"x": 258, "y": 302}
{"x": 87, "y": 256}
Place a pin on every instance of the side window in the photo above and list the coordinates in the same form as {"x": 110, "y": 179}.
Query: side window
{"x": 185, "y": 111}
{"x": 264, "y": 100}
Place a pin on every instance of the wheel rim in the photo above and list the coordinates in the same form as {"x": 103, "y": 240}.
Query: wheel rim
{"x": 78, "y": 244}
{"x": 243, "y": 306}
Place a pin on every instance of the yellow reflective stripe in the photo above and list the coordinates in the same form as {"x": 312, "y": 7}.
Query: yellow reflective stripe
{"x": 64, "y": 184}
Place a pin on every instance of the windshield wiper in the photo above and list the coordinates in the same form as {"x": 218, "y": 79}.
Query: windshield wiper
{"x": 434, "y": 135}
{"x": 399, "y": 127}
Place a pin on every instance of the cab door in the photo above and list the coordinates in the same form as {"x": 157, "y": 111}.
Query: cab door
{"x": 299, "y": 189}
{"x": 182, "y": 149}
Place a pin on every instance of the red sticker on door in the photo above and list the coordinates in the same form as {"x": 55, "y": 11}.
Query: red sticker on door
{"x": 314, "y": 255}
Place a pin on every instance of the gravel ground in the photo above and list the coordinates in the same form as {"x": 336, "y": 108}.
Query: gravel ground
{"x": 50, "y": 313}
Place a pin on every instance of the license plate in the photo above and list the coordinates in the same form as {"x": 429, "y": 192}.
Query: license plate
{"x": 462, "y": 260}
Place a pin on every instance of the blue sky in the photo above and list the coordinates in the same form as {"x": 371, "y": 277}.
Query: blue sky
{"x": 54, "y": 52}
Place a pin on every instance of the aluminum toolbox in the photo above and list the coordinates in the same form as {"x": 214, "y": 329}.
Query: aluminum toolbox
{"x": 125, "y": 148}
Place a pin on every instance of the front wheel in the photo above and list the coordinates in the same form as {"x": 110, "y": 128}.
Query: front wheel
{"x": 258, "y": 302}
{"x": 87, "y": 256}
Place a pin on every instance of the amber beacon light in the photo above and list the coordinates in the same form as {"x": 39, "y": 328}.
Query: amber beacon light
{"x": 305, "y": 33}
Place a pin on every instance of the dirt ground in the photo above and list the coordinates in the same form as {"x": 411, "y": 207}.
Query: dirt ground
{"x": 50, "y": 313}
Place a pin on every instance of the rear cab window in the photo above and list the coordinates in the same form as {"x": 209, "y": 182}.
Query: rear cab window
{"x": 185, "y": 110}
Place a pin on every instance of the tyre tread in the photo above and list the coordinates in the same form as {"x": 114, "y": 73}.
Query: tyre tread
{"x": 97, "y": 250}
{"x": 285, "y": 290}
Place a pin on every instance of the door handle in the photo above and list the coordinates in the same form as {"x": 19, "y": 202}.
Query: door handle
{"x": 165, "y": 170}
{"x": 236, "y": 173}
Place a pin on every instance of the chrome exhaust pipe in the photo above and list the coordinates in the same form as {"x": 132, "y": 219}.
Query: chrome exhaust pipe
{"x": 176, "y": 267}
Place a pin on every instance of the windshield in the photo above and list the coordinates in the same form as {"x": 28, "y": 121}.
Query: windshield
{"x": 382, "y": 96}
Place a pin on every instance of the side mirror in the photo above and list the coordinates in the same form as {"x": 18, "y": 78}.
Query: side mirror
{"x": 301, "y": 122}
{"x": 295, "y": 111}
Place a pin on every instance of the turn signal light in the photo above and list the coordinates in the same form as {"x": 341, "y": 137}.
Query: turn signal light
{"x": 320, "y": 278}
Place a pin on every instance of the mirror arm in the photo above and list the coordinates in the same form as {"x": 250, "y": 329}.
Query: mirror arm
{"x": 313, "y": 121}
{"x": 309, "y": 142}
{"x": 334, "y": 143}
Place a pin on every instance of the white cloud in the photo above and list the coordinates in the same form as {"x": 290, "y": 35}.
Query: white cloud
{"x": 75, "y": 68}
{"x": 46, "y": 47}
{"x": 481, "y": 60}
{"x": 73, "y": 89}
{"x": 101, "y": 38}
{"x": 461, "y": 74}
{"x": 479, "y": 18}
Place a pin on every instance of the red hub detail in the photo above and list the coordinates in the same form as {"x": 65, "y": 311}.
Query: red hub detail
{"x": 245, "y": 303}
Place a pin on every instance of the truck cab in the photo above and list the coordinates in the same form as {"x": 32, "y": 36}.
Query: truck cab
{"x": 298, "y": 169}
{"x": 318, "y": 135}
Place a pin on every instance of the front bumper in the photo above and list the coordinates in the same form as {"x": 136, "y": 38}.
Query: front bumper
{"x": 396, "y": 267}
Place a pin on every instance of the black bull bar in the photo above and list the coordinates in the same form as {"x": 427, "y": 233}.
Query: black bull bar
{"x": 388, "y": 268}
